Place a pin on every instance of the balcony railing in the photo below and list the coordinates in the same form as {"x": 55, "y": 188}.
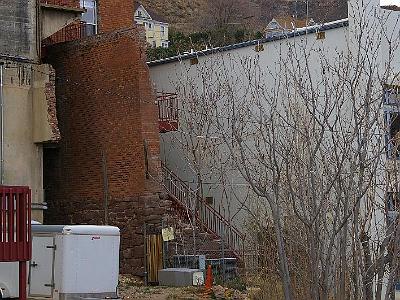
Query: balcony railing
{"x": 69, "y": 33}
{"x": 167, "y": 111}
{"x": 64, "y": 3}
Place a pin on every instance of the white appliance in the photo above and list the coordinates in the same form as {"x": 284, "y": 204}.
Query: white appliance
{"x": 68, "y": 262}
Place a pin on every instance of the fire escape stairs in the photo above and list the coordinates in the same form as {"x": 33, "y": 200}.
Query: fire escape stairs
{"x": 208, "y": 218}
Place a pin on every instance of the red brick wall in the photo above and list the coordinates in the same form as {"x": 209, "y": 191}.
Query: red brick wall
{"x": 115, "y": 14}
{"x": 70, "y": 3}
{"x": 106, "y": 107}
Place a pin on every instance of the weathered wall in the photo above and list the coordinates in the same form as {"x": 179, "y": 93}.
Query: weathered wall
{"x": 170, "y": 75}
{"x": 18, "y": 28}
{"x": 22, "y": 157}
{"x": 106, "y": 110}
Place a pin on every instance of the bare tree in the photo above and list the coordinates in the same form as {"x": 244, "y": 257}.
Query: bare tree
{"x": 306, "y": 132}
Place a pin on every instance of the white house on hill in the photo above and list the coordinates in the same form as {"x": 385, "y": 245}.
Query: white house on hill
{"x": 156, "y": 26}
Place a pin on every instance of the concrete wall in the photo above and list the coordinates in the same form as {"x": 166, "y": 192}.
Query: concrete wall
{"x": 170, "y": 76}
{"x": 18, "y": 28}
{"x": 29, "y": 92}
{"x": 23, "y": 163}
{"x": 54, "y": 19}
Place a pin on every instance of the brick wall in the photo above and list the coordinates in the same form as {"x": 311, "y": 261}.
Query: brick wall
{"x": 106, "y": 110}
{"x": 115, "y": 14}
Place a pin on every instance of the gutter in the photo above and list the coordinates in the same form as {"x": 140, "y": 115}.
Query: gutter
{"x": 279, "y": 36}
{"x": 1, "y": 123}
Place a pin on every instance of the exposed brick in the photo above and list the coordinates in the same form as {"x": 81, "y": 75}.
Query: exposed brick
{"x": 105, "y": 106}
{"x": 115, "y": 14}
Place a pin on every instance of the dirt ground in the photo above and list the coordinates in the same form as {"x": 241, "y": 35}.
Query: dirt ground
{"x": 133, "y": 288}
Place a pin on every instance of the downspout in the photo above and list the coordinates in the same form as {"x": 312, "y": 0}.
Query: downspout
{"x": 2, "y": 123}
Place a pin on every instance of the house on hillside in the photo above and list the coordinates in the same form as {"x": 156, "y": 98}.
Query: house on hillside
{"x": 156, "y": 26}
{"x": 285, "y": 25}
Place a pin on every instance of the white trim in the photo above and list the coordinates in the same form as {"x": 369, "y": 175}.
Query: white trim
{"x": 142, "y": 17}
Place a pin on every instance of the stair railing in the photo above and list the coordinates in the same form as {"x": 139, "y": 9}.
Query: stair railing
{"x": 208, "y": 217}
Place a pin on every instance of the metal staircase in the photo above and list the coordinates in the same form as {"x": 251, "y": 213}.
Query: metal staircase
{"x": 207, "y": 217}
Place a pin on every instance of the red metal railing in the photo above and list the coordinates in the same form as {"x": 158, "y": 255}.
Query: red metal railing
{"x": 167, "y": 111}
{"x": 67, "y": 3}
{"x": 15, "y": 230}
{"x": 15, "y": 215}
{"x": 208, "y": 217}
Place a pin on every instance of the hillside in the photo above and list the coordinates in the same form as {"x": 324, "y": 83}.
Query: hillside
{"x": 191, "y": 15}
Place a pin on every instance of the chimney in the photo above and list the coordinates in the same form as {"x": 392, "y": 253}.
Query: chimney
{"x": 115, "y": 15}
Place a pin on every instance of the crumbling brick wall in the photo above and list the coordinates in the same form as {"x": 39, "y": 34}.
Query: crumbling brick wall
{"x": 106, "y": 111}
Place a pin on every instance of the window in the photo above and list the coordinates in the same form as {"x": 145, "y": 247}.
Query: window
{"x": 150, "y": 26}
{"x": 154, "y": 44}
{"x": 139, "y": 13}
{"x": 273, "y": 25}
{"x": 390, "y": 4}
{"x": 392, "y": 206}
{"x": 162, "y": 30}
{"x": 90, "y": 16}
{"x": 392, "y": 121}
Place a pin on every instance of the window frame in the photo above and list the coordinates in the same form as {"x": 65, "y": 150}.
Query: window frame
{"x": 391, "y": 110}
{"x": 93, "y": 5}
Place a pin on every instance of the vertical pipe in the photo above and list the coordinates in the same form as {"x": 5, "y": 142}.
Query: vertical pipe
{"x": 22, "y": 280}
{"x": 1, "y": 124}
{"x": 163, "y": 245}
{"x": 105, "y": 186}
{"x": 145, "y": 254}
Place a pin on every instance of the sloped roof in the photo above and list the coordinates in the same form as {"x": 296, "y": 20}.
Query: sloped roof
{"x": 153, "y": 14}
{"x": 281, "y": 36}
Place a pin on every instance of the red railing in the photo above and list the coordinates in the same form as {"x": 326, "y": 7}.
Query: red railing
{"x": 15, "y": 216}
{"x": 167, "y": 111}
{"x": 15, "y": 230}
{"x": 67, "y": 3}
{"x": 208, "y": 217}
{"x": 69, "y": 33}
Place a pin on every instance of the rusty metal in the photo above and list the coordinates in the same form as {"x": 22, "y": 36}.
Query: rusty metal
{"x": 208, "y": 217}
{"x": 167, "y": 111}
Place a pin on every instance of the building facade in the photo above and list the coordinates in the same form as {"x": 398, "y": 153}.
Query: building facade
{"x": 105, "y": 168}
{"x": 209, "y": 83}
{"x": 155, "y": 26}
{"x": 79, "y": 120}
{"x": 28, "y": 117}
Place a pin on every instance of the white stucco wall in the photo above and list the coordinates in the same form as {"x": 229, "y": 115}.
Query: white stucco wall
{"x": 166, "y": 77}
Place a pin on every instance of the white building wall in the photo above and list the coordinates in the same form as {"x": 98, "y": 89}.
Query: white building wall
{"x": 168, "y": 76}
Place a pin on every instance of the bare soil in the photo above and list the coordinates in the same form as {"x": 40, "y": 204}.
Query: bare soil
{"x": 134, "y": 288}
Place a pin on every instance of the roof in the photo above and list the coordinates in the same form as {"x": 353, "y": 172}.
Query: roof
{"x": 276, "y": 37}
{"x": 288, "y": 22}
{"x": 152, "y": 13}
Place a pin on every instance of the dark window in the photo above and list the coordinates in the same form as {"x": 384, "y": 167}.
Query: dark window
{"x": 90, "y": 16}
{"x": 392, "y": 121}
